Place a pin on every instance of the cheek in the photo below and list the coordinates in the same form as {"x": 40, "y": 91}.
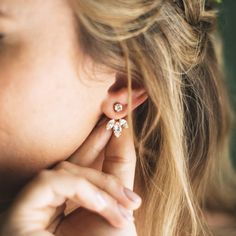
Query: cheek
{"x": 45, "y": 114}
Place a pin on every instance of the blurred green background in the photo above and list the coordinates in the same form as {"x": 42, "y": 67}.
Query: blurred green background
{"x": 227, "y": 27}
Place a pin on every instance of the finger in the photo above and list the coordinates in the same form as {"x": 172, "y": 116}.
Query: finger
{"x": 111, "y": 184}
{"x": 98, "y": 163}
{"x": 120, "y": 158}
{"x": 87, "y": 153}
{"x": 56, "y": 219}
{"x": 50, "y": 190}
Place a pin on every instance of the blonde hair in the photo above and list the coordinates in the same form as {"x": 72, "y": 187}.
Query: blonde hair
{"x": 182, "y": 130}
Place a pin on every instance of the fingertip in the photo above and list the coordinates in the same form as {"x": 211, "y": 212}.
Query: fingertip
{"x": 101, "y": 121}
{"x": 103, "y": 135}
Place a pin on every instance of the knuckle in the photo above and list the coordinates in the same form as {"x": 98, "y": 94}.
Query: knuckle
{"x": 62, "y": 165}
{"x": 43, "y": 177}
{"x": 104, "y": 202}
{"x": 61, "y": 173}
{"x": 110, "y": 181}
{"x": 100, "y": 205}
{"x": 68, "y": 167}
{"x": 81, "y": 182}
{"x": 44, "y": 174}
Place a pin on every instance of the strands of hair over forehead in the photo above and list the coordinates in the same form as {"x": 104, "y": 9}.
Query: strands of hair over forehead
{"x": 182, "y": 130}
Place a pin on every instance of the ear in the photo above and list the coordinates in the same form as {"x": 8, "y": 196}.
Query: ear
{"x": 118, "y": 93}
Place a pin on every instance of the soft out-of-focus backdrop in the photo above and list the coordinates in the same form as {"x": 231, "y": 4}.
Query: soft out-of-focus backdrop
{"x": 227, "y": 26}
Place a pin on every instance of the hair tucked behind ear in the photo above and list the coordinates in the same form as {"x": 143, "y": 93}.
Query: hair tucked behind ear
{"x": 182, "y": 130}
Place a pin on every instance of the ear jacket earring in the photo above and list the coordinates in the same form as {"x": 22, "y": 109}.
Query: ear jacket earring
{"x": 119, "y": 124}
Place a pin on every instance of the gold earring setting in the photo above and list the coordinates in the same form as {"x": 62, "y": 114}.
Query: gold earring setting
{"x": 119, "y": 124}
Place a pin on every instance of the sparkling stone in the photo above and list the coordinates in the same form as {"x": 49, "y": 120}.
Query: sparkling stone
{"x": 123, "y": 123}
{"x": 117, "y": 129}
{"x": 118, "y": 107}
{"x": 110, "y": 124}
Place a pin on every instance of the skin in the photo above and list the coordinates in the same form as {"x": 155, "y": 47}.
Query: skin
{"x": 38, "y": 208}
{"x": 51, "y": 96}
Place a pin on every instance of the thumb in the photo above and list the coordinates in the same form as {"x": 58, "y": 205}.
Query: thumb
{"x": 120, "y": 158}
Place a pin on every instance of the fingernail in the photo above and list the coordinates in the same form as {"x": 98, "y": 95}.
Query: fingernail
{"x": 125, "y": 213}
{"x": 132, "y": 196}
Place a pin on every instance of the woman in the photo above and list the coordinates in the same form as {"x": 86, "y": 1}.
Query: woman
{"x": 66, "y": 66}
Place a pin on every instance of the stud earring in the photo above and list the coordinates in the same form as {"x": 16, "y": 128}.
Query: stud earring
{"x": 117, "y": 125}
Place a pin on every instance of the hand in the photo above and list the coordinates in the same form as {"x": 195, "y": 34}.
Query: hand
{"x": 38, "y": 209}
{"x": 119, "y": 160}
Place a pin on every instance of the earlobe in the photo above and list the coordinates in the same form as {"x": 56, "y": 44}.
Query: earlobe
{"x": 115, "y": 105}
{"x": 117, "y": 121}
{"x": 138, "y": 96}
{"x": 118, "y": 93}
{"x": 117, "y": 125}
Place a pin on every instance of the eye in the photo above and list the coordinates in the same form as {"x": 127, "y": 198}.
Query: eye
{"x": 1, "y": 36}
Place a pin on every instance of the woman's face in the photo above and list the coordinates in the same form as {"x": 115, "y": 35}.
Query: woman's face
{"x": 48, "y": 101}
